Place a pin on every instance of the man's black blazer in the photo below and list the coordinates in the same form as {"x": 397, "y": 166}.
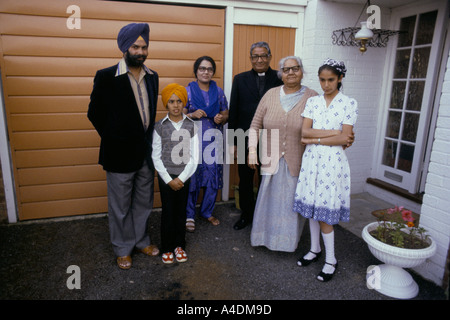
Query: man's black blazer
{"x": 245, "y": 97}
{"x": 114, "y": 113}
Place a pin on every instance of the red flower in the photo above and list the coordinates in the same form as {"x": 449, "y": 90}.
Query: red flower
{"x": 407, "y": 216}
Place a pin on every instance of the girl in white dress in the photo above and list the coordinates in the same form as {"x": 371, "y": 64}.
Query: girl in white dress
{"x": 323, "y": 188}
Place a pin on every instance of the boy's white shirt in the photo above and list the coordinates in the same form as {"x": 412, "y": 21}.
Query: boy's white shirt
{"x": 190, "y": 167}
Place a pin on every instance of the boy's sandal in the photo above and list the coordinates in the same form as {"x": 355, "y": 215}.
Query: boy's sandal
{"x": 214, "y": 221}
{"x": 167, "y": 257}
{"x": 190, "y": 225}
{"x": 180, "y": 255}
{"x": 151, "y": 250}
{"x": 124, "y": 262}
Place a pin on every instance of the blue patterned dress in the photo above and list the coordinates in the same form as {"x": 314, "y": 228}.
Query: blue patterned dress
{"x": 323, "y": 187}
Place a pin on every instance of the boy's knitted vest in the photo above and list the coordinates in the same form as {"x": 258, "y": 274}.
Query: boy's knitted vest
{"x": 175, "y": 145}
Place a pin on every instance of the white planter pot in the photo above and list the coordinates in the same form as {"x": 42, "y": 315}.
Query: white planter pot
{"x": 390, "y": 279}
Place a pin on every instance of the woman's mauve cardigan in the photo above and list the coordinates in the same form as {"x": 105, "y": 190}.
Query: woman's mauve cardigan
{"x": 270, "y": 115}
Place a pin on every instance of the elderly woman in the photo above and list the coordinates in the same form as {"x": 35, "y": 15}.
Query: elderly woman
{"x": 208, "y": 106}
{"x": 275, "y": 224}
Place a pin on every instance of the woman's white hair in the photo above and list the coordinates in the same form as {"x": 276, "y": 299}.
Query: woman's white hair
{"x": 283, "y": 61}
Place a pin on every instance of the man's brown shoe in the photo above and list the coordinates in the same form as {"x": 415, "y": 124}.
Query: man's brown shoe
{"x": 124, "y": 262}
{"x": 151, "y": 250}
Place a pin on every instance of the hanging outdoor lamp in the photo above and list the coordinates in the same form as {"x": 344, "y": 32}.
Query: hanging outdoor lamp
{"x": 365, "y": 36}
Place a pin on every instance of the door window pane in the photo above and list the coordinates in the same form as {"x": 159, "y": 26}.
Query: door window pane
{"x": 407, "y": 26}
{"x": 398, "y": 94}
{"x": 406, "y": 157}
{"x": 415, "y": 95}
{"x": 402, "y": 64}
{"x": 410, "y": 126}
{"x": 393, "y": 126}
{"x": 390, "y": 149}
{"x": 425, "y": 28}
{"x": 420, "y": 62}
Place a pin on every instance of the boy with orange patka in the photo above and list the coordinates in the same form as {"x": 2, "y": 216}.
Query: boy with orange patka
{"x": 175, "y": 156}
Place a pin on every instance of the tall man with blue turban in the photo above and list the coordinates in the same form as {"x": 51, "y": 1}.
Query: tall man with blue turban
{"x": 122, "y": 110}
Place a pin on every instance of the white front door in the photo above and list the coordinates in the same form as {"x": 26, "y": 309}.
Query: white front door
{"x": 411, "y": 89}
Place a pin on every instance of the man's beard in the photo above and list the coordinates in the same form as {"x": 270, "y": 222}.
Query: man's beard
{"x": 133, "y": 60}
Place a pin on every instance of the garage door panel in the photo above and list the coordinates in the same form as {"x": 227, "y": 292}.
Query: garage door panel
{"x": 160, "y": 114}
{"x": 103, "y": 48}
{"x": 58, "y": 157}
{"x": 87, "y": 67}
{"x": 65, "y": 47}
{"x": 55, "y": 66}
{"x": 128, "y": 12}
{"x": 63, "y": 208}
{"x": 183, "y": 81}
{"x": 30, "y": 176}
{"x": 53, "y": 175}
{"x": 184, "y": 50}
{"x": 35, "y": 86}
{"x": 186, "y": 33}
{"x": 47, "y": 104}
{"x": 55, "y": 139}
{"x": 50, "y": 122}
{"x": 63, "y": 191}
{"x": 71, "y": 207}
{"x": 41, "y": 26}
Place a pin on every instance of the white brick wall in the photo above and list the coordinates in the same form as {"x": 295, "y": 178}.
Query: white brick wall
{"x": 435, "y": 214}
{"x": 363, "y": 79}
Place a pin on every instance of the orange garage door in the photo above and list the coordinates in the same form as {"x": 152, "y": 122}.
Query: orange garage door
{"x": 47, "y": 73}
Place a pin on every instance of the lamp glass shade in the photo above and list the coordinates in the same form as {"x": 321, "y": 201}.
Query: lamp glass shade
{"x": 364, "y": 33}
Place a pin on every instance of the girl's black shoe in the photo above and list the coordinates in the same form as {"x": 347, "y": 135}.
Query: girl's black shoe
{"x": 325, "y": 277}
{"x": 302, "y": 262}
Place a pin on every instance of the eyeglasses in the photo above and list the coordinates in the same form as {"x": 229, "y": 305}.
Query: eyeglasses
{"x": 263, "y": 57}
{"x": 204, "y": 69}
{"x": 288, "y": 69}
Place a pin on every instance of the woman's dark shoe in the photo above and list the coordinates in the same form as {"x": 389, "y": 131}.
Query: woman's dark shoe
{"x": 324, "y": 277}
{"x": 241, "y": 224}
{"x": 302, "y": 262}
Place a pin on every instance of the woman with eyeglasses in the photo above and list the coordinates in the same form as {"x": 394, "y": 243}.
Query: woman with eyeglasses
{"x": 276, "y": 127}
{"x": 208, "y": 106}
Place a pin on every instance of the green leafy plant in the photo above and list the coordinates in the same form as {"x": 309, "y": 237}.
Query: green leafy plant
{"x": 397, "y": 227}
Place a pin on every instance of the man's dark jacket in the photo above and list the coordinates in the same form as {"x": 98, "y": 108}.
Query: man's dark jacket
{"x": 245, "y": 97}
{"x": 115, "y": 115}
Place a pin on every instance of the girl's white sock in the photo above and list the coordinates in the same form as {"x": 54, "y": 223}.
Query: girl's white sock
{"x": 314, "y": 229}
{"x": 328, "y": 241}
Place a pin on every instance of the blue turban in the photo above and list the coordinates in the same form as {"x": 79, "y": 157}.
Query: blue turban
{"x": 130, "y": 33}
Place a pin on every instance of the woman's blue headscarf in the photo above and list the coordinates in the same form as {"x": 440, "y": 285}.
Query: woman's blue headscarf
{"x": 197, "y": 98}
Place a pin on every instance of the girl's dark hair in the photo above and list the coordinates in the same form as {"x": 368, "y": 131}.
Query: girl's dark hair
{"x": 199, "y": 60}
{"x": 335, "y": 71}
